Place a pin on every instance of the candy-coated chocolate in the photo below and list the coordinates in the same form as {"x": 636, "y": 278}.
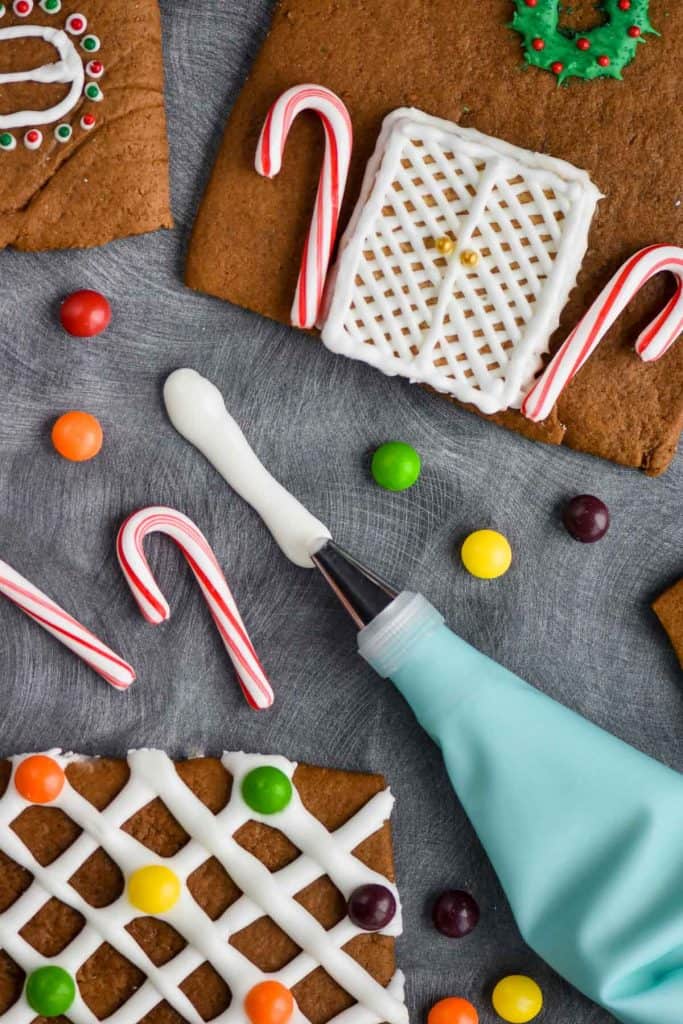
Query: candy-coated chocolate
{"x": 50, "y": 991}
{"x": 266, "y": 790}
{"x": 453, "y": 1011}
{"x": 396, "y": 466}
{"x": 372, "y": 907}
{"x": 586, "y": 518}
{"x": 469, "y": 258}
{"x": 517, "y": 999}
{"x": 269, "y": 1002}
{"x": 154, "y": 889}
{"x": 486, "y": 554}
{"x": 85, "y": 314}
{"x": 77, "y": 436}
{"x": 445, "y": 245}
{"x": 39, "y": 779}
{"x": 455, "y": 913}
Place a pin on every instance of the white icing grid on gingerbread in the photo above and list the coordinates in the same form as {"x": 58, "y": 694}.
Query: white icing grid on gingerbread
{"x": 152, "y": 775}
{"x": 401, "y": 304}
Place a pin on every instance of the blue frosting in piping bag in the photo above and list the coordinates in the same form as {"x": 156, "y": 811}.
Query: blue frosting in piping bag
{"x": 584, "y": 832}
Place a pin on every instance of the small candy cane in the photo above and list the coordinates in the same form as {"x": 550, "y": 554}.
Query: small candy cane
{"x": 64, "y": 628}
{"x": 323, "y": 230}
{"x": 651, "y": 345}
{"x": 209, "y": 575}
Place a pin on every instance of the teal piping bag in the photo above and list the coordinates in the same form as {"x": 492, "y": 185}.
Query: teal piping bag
{"x": 597, "y": 884}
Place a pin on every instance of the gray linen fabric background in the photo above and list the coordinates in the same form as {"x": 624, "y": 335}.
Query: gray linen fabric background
{"x": 572, "y": 619}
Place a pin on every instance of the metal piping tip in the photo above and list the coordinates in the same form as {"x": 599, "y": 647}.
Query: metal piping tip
{"x": 362, "y": 592}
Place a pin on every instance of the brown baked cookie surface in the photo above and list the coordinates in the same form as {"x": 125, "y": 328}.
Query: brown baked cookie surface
{"x": 462, "y": 62}
{"x": 669, "y": 610}
{"x": 109, "y": 177}
{"x": 109, "y": 978}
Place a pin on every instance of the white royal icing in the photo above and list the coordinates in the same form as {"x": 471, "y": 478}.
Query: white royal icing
{"x": 152, "y": 774}
{"x": 67, "y": 70}
{"x": 197, "y": 410}
{"x": 396, "y": 302}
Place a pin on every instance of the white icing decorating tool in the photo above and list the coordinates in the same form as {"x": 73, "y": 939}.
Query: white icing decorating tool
{"x": 197, "y": 410}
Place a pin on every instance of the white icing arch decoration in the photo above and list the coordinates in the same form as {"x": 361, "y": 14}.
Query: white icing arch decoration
{"x": 68, "y": 69}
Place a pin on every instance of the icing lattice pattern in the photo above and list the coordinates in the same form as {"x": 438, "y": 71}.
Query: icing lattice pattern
{"x": 458, "y": 260}
{"x": 153, "y": 775}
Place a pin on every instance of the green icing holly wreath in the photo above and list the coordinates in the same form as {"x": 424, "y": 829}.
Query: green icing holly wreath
{"x": 601, "y": 52}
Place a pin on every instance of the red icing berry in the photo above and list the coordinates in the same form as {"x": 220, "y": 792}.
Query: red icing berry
{"x": 557, "y": 68}
{"x": 538, "y": 44}
{"x": 32, "y": 136}
{"x": 604, "y": 61}
{"x": 583, "y": 44}
{"x": 624, "y": 5}
{"x": 77, "y": 24}
{"x": 531, "y": 3}
{"x": 88, "y": 120}
{"x": 23, "y": 7}
{"x": 96, "y": 66}
{"x": 635, "y": 31}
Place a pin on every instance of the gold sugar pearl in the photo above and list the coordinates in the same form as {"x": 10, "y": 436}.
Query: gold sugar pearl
{"x": 445, "y": 245}
{"x": 469, "y": 258}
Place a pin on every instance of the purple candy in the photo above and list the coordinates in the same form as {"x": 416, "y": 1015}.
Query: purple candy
{"x": 455, "y": 913}
{"x": 586, "y": 518}
{"x": 372, "y": 907}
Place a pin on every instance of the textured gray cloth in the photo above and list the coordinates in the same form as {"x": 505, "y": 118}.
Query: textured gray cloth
{"x": 572, "y": 619}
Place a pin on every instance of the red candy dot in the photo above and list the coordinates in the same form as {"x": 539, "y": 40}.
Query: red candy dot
{"x": 39, "y": 779}
{"x": 624, "y": 5}
{"x": 85, "y": 314}
{"x": 88, "y": 120}
{"x": 635, "y": 31}
{"x": 583, "y": 44}
{"x": 604, "y": 61}
{"x": 23, "y": 7}
{"x": 557, "y": 68}
{"x": 538, "y": 44}
{"x": 77, "y": 24}
{"x": 96, "y": 66}
{"x": 531, "y": 3}
{"x": 32, "y": 136}
{"x": 269, "y": 1003}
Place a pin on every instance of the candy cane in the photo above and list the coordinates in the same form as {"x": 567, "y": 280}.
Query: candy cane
{"x": 209, "y": 575}
{"x": 651, "y": 345}
{"x": 323, "y": 230}
{"x": 61, "y": 625}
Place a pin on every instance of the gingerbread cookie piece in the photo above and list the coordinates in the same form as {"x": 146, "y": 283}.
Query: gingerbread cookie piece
{"x": 464, "y": 64}
{"x": 83, "y": 147}
{"x": 669, "y": 610}
{"x": 148, "y": 890}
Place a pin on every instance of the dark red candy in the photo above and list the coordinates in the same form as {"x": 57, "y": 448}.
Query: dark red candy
{"x": 455, "y": 913}
{"x": 85, "y": 314}
{"x": 586, "y": 518}
{"x": 372, "y": 907}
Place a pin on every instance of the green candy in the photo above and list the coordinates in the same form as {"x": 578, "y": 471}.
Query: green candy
{"x": 396, "y": 466}
{"x": 266, "y": 790}
{"x": 50, "y": 991}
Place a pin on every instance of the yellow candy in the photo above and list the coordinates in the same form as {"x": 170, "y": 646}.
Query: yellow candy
{"x": 445, "y": 245}
{"x": 469, "y": 258}
{"x": 517, "y": 999}
{"x": 154, "y": 889}
{"x": 486, "y": 554}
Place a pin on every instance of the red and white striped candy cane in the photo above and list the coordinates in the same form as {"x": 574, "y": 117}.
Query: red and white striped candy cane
{"x": 323, "y": 230}
{"x": 209, "y": 575}
{"x": 654, "y": 341}
{"x": 66, "y": 629}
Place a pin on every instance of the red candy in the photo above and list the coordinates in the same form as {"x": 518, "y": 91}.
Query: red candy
{"x": 624, "y": 5}
{"x": 604, "y": 61}
{"x": 85, "y": 314}
{"x": 39, "y": 779}
{"x": 538, "y": 44}
{"x": 269, "y": 1003}
{"x": 635, "y": 31}
{"x": 557, "y": 68}
{"x": 583, "y": 44}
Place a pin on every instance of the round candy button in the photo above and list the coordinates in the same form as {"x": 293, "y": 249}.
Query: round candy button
{"x": 269, "y": 1003}
{"x": 586, "y": 518}
{"x": 266, "y": 790}
{"x": 154, "y": 889}
{"x": 486, "y": 554}
{"x": 77, "y": 436}
{"x": 85, "y": 314}
{"x": 50, "y": 991}
{"x": 372, "y": 907}
{"x": 453, "y": 1011}
{"x": 517, "y": 999}
{"x": 455, "y": 913}
{"x": 396, "y": 466}
{"x": 39, "y": 779}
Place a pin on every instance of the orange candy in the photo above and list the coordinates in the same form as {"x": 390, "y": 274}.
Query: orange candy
{"x": 453, "y": 1011}
{"x": 77, "y": 436}
{"x": 269, "y": 1003}
{"x": 39, "y": 779}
